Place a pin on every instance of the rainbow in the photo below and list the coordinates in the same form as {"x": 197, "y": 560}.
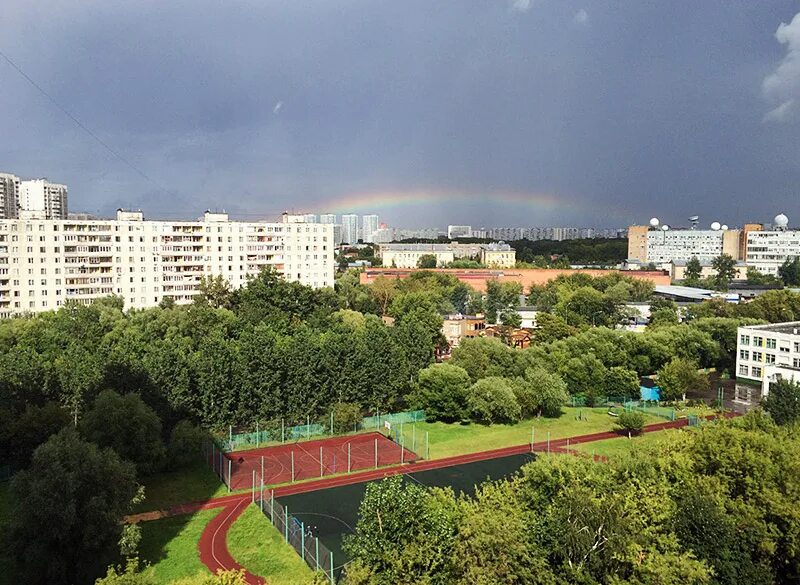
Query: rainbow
{"x": 382, "y": 200}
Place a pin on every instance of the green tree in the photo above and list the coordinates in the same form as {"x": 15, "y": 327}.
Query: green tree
{"x": 346, "y": 415}
{"x": 492, "y": 400}
{"x": 545, "y": 393}
{"x": 783, "y": 401}
{"x": 30, "y": 429}
{"x": 551, "y": 327}
{"x": 442, "y": 392}
{"x": 663, "y": 316}
{"x": 502, "y": 300}
{"x": 693, "y": 271}
{"x": 127, "y": 425}
{"x": 484, "y": 356}
{"x": 789, "y": 271}
{"x": 186, "y": 442}
{"x": 215, "y": 292}
{"x": 725, "y": 267}
{"x": 426, "y": 261}
{"x": 70, "y": 504}
{"x": 680, "y": 376}
{"x": 620, "y": 381}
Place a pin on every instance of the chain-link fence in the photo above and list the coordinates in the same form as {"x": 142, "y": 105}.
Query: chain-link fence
{"x": 280, "y": 432}
{"x": 596, "y": 401}
{"x": 316, "y": 555}
{"x": 652, "y": 408}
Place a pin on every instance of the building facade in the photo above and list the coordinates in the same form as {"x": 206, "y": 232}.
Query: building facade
{"x": 768, "y": 250}
{"x": 369, "y": 225}
{"x": 44, "y": 263}
{"x": 350, "y": 228}
{"x": 9, "y": 196}
{"x": 41, "y": 199}
{"x": 767, "y": 353}
{"x": 459, "y": 231}
{"x": 499, "y": 255}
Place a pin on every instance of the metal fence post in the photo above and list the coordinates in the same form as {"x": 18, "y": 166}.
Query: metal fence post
{"x": 303, "y": 541}
{"x": 292, "y": 466}
{"x": 229, "y": 474}
{"x": 548, "y": 441}
{"x": 254, "y": 486}
{"x": 320, "y": 462}
{"x": 332, "y": 579}
{"x": 376, "y": 453}
{"x": 348, "y": 457}
{"x": 286, "y": 522}
{"x": 317, "y": 551}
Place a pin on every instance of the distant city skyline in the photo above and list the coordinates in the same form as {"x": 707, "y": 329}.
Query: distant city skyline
{"x": 488, "y": 113}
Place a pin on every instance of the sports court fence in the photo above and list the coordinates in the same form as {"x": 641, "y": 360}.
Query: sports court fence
{"x": 651, "y": 408}
{"x": 315, "y": 554}
{"x": 281, "y": 433}
{"x": 590, "y": 401}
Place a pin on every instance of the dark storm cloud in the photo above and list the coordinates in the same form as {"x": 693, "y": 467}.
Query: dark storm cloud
{"x": 621, "y": 110}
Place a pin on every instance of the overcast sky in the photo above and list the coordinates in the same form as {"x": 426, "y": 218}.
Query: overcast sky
{"x": 504, "y": 112}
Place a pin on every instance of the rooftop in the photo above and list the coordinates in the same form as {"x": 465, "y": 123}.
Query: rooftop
{"x": 791, "y": 328}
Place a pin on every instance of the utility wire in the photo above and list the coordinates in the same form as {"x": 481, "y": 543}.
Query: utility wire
{"x": 78, "y": 123}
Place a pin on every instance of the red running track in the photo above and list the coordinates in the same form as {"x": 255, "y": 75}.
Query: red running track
{"x": 313, "y": 459}
{"x": 213, "y": 547}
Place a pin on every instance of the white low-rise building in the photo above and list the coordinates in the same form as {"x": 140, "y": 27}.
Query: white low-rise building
{"x": 767, "y": 353}
{"x": 44, "y": 263}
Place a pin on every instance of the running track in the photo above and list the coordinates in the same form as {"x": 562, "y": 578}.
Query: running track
{"x": 212, "y": 544}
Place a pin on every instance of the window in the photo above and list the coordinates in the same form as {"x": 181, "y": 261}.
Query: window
{"x": 744, "y": 354}
{"x": 758, "y": 356}
{"x": 756, "y": 372}
{"x": 770, "y": 358}
{"x": 758, "y": 341}
{"x": 743, "y": 371}
{"x": 796, "y": 363}
{"x": 772, "y": 343}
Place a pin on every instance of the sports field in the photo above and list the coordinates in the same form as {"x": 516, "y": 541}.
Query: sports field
{"x": 332, "y": 513}
{"x": 312, "y": 459}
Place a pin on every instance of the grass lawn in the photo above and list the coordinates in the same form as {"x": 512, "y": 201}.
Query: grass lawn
{"x": 448, "y": 439}
{"x": 6, "y": 574}
{"x": 623, "y": 445}
{"x": 255, "y": 543}
{"x": 169, "y": 488}
{"x": 170, "y": 546}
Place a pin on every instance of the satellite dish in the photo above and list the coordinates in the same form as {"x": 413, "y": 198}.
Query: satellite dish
{"x": 654, "y": 222}
{"x": 781, "y": 221}
{"x": 715, "y": 225}
{"x": 694, "y": 218}
{"x": 724, "y": 227}
{"x": 665, "y": 227}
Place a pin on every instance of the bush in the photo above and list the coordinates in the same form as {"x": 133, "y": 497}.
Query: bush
{"x": 633, "y": 422}
{"x": 492, "y": 400}
{"x": 186, "y": 444}
{"x": 346, "y": 415}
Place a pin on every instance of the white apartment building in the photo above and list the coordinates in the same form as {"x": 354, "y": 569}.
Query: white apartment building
{"x": 327, "y": 218}
{"x": 41, "y": 199}
{"x": 459, "y": 231}
{"x": 350, "y": 228}
{"x": 498, "y": 255}
{"x": 369, "y": 225}
{"x": 767, "y": 353}
{"x": 44, "y": 263}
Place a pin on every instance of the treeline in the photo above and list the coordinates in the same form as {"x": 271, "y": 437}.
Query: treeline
{"x": 713, "y": 506}
{"x": 271, "y": 350}
{"x": 597, "y": 251}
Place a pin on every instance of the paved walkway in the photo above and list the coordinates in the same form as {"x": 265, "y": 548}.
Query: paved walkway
{"x": 213, "y": 546}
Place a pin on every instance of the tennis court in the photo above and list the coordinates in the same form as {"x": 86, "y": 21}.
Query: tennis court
{"x": 301, "y": 460}
{"x": 330, "y": 514}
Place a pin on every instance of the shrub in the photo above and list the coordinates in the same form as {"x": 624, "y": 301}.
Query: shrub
{"x": 633, "y": 422}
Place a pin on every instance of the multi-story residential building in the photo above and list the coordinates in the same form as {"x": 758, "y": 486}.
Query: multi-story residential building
{"x": 350, "y": 228}
{"x": 767, "y": 353}
{"x": 44, "y": 263}
{"x": 9, "y": 196}
{"x": 327, "y": 218}
{"x": 41, "y": 199}
{"x": 369, "y": 225}
{"x": 459, "y": 231}
{"x": 310, "y": 218}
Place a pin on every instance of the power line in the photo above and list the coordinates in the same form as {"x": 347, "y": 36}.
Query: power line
{"x": 78, "y": 123}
